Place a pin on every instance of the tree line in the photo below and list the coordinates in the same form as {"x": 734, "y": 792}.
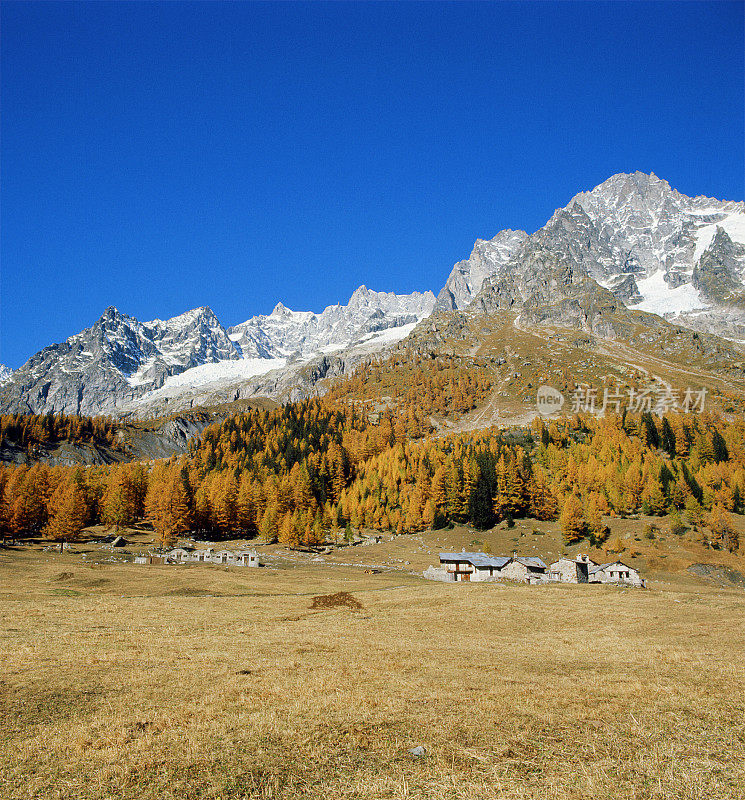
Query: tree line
{"x": 301, "y": 473}
{"x": 27, "y": 430}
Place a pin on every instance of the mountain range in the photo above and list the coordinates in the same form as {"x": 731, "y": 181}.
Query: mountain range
{"x": 632, "y": 244}
{"x": 119, "y": 364}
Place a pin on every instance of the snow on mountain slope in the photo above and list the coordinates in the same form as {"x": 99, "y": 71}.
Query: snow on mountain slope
{"x": 206, "y": 378}
{"x": 285, "y": 333}
{"x": 389, "y": 335}
{"x": 651, "y": 228}
{"x": 733, "y": 225}
{"x": 653, "y": 248}
{"x": 632, "y": 241}
{"x": 5, "y": 374}
{"x": 114, "y": 361}
{"x": 659, "y": 298}
{"x": 222, "y": 371}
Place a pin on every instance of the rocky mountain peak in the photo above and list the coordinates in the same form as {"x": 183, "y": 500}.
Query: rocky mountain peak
{"x": 718, "y": 275}
{"x": 623, "y": 186}
{"x": 281, "y": 310}
{"x": 632, "y": 239}
{"x": 360, "y": 293}
{"x": 286, "y": 333}
{"x": 487, "y": 258}
{"x": 111, "y": 317}
{"x": 722, "y": 240}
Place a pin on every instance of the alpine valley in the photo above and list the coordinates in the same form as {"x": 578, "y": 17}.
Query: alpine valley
{"x": 630, "y": 279}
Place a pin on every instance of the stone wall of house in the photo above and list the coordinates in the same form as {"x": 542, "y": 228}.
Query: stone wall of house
{"x": 514, "y": 571}
{"x": 611, "y": 576}
{"x": 438, "y": 574}
{"x": 567, "y": 570}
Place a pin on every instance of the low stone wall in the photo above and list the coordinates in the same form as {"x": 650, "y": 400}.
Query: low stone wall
{"x": 435, "y": 574}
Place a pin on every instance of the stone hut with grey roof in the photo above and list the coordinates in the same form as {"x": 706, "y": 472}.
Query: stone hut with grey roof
{"x": 617, "y": 572}
{"x": 473, "y": 567}
{"x": 465, "y": 566}
{"x": 571, "y": 570}
{"x": 528, "y": 569}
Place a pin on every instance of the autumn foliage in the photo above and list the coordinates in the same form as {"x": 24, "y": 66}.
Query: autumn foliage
{"x": 304, "y": 472}
{"x": 28, "y": 430}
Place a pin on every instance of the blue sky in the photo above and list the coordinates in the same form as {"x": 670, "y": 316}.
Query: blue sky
{"x": 162, "y": 156}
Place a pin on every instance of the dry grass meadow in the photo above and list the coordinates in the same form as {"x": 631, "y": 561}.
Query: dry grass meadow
{"x": 121, "y": 681}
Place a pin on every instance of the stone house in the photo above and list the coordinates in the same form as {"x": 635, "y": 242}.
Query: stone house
{"x": 243, "y": 558}
{"x": 528, "y": 569}
{"x": 247, "y": 558}
{"x": 222, "y": 557}
{"x": 571, "y": 570}
{"x": 150, "y": 559}
{"x": 465, "y": 566}
{"x": 185, "y": 555}
{"x": 180, "y": 554}
{"x": 616, "y": 572}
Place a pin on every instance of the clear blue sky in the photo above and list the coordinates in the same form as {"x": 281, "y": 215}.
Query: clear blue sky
{"x": 162, "y": 156}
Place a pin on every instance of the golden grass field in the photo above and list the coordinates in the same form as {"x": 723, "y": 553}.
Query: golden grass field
{"x": 124, "y": 681}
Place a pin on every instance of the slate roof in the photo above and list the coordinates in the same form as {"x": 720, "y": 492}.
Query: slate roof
{"x": 531, "y": 562}
{"x": 476, "y": 559}
{"x": 601, "y": 567}
{"x": 483, "y": 560}
{"x": 575, "y": 560}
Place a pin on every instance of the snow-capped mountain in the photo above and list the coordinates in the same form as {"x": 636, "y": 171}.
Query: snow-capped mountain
{"x": 677, "y": 256}
{"x": 285, "y": 333}
{"x": 111, "y": 366}
{"x": 115, "y": 360}
{"x": 5, "y": 374}
{"x": 650, "y": 226}
{"x": 651, "y": 247}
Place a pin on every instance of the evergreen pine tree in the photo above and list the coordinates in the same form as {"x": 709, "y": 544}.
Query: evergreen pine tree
{"x": 481, "y": 510}
{"x": 668, "y": 438}
{"x": 719, "y": 446}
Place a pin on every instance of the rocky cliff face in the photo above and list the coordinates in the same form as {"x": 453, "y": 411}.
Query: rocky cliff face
{"x": 632, "y": 243}
{"x": 114, "y": 361}
{"x": 718, "y": 275}
{"x": 658, "y": 237}
{"x": 486, "y": 259}
{"x": 553, "y": 278}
